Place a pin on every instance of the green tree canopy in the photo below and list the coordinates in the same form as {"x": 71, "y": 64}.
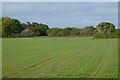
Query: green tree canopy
{"x": 13, "y": 28}
{"x": 105, "y": 27}
{"x": 87, "y": 30}
{"x": 66, "y": 31}
{"x": 75, "y": 31}
{"x": 36, "y": 28}
{"x": 54, "y": 32}
{"x": 10, "y": 26}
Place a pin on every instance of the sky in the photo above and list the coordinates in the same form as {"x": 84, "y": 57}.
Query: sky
{"x": 63, "y": 14}
{"x": 59, "y": 0}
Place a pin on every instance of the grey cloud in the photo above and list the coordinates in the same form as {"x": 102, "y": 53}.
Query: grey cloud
{"x": 63, "y": 14}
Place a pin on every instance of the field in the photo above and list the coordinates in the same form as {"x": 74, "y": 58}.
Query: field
{"x": 60, "y": 58}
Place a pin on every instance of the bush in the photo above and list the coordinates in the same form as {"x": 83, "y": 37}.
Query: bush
{"x": 105, "y": 35}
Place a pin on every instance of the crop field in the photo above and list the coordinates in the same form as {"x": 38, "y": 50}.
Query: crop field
{"x": 72, "y": 57}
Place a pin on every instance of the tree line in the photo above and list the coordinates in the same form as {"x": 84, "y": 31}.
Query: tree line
{"x": 14, "y": 28}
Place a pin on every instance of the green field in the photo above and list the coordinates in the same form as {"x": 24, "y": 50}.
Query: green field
{"x": 60, "y": 58}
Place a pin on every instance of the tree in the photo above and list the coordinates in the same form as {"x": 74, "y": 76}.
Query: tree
{"x": 36, "y": 28}
{"x": 66, "y": 31}
{"x": 10, "y": 27}
{"x": 105, "y": 30}
{"x": 34, "y": 24}
{"x": 42, "y": 28}
{"x": 27, "y": 32}
{"x": 24, "y": 25}
{"x": 87, "y": 31}
{"x": 54, "y": 32}
{"x": 13, "y": 28}
{"x": 75, "y": 32}
{"x": 39, "y": 29}
{"x": 105, "y": 27}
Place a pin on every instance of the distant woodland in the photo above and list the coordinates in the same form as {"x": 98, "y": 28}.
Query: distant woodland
{"x": 13, "y": 28}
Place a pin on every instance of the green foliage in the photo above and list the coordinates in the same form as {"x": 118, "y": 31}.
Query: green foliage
{"x": 54, "y": 32}
{"x": 13, "y": 28}
{"x": 10, "y": 27}
{"x": 105, "y": 30}
{"x": 106, "y": 35}
{"x": 66, "y": 31}
{"x": 41, "y": 28}
{"x": 75, "y": 32}
{"x": 105, "y": 27}
{"x": 87, "y": 31}
{"x": 36, "y": 28}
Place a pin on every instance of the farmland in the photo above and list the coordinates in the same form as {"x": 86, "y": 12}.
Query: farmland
{"x": 72, "y": 57}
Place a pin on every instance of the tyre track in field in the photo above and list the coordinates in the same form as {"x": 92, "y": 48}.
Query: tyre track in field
{"x": 27, "y": 51}
{"x": 102, "y": 64}
{"x": 44, "y": 61}
{"x": 91, "y": 58}
{"x": 112, "y": 72}
{"x": 64, "y": 60}
{"x": 35, "y": 64}
{"x": 98, "y": 70}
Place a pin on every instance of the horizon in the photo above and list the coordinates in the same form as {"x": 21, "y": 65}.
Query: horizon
{"x": 62, "y": 14}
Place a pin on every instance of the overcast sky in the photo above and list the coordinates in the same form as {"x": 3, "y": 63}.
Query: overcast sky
{"x": 62, "y": 14}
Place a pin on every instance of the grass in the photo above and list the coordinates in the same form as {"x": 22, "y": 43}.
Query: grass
{"x": 60, "y": 58}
